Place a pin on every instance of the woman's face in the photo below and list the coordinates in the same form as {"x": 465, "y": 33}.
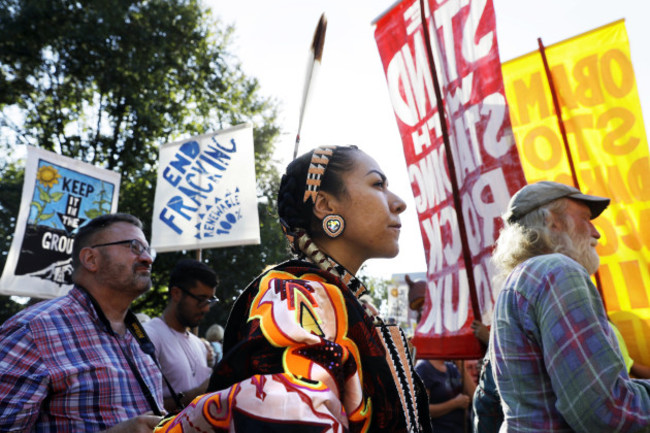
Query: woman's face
{"x": 370, "y": 210}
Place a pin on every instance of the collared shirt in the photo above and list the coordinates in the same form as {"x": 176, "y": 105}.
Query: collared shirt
{"x": 182, "y": 356}
{"x": 62, "y": 370}
{"x": 556, "y": 361}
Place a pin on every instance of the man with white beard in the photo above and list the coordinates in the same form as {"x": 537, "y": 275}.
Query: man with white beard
{"x": 555, "y": 358}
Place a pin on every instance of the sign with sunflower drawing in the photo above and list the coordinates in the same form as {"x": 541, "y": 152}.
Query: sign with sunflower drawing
{"x": 59, "y": 195}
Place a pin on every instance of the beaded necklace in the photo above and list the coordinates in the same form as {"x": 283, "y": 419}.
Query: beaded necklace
{"x": 392, "y": 337}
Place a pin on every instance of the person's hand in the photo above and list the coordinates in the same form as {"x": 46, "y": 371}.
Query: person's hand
{"x": 203, "y": 387}
{"x": 210, "y": 353}
{"x": 211, "y": 357}
{"x": 140, "y": 424}
{"x": 191, "y": 394}
{"x": 481, "y": 332}
{"x": 462, "y": 401}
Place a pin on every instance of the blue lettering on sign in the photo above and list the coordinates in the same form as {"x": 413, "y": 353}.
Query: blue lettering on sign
{"x": 195, "y": 174}
{"x": 222, "y": 217}
{"x": 191, "y": 149}
{"x": 176, "y": 204}
{"x": 192, "y": 194}
{"x": 180, "y": 163}
{"x": 169, "y": 220}
{"x": 169, "y": 176}
{"x": 231, "y": 149}
{"x": 197, "y": 187}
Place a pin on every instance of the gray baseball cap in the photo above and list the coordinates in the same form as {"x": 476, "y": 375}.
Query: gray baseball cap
{"x": 535, "y": 195}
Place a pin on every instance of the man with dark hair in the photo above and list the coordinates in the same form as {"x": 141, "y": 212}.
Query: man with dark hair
{"x": 72, "y": 363}
{"x": 182, "y": 355}
{"x": 555, "y": 359}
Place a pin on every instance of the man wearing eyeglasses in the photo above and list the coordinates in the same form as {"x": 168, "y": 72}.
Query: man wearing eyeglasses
{"x": 182, "y": 355}
{"x": 74, "y": 363}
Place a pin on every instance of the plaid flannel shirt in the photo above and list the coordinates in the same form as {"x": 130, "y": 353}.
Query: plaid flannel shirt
{"x": 556, "y": 361}
{"x": 60, "y": 370}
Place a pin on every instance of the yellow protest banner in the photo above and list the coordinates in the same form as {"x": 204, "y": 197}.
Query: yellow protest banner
{"x": 594, "y": 81}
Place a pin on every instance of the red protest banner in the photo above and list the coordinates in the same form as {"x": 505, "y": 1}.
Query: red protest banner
{"x": 458, "y": 230}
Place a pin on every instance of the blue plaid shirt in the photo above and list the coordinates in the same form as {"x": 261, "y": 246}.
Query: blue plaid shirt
{"x": 62, "y": 371}
{"x": 555, "y": 358}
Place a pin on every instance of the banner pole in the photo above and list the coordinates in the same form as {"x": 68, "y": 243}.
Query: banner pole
{"x": 558, "y": 112}
{"x": 452, "y": 169}
{"x": 199, "y": 257}
{"x": 565, "y": 141}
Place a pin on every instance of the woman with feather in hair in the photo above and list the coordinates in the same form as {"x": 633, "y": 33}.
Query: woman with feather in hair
{"x": 300, "y": 352}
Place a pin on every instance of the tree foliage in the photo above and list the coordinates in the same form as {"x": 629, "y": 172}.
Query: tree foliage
{"x": 107, "y": 82}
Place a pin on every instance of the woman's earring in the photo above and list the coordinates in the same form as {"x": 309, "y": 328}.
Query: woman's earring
{"x": 333, "y": 225}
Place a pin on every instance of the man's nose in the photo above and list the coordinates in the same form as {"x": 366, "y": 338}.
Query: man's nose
{"x": 594, "y": 232}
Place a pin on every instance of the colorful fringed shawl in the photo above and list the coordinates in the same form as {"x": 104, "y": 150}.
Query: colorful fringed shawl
{"x": 301, "y": 355}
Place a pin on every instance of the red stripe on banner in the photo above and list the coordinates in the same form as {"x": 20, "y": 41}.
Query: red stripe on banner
{"x": 487, "y": 167}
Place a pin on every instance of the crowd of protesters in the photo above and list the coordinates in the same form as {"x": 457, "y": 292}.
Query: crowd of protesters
{"x": 304, "y": 349}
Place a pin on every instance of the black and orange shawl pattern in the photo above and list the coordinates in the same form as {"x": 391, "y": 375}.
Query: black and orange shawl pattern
{"x": 301, "y": 354}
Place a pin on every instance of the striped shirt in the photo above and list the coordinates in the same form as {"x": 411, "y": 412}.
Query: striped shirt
{"x": 556, "y": 361}
{"x": 61, "y": 370}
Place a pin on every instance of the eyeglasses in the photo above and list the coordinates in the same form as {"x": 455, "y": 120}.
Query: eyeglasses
{"x": 136, "y": 246}
{"x": 201, "y": 300}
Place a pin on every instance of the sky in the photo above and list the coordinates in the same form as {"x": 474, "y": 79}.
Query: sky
{"x": 349, "y": 101}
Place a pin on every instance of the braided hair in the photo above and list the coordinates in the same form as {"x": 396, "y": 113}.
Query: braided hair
{"x": 295, "y": 213}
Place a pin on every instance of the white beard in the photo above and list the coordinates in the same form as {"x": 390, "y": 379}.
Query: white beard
{"x": 581, "y": 247}
{"x": 586, "y": 255}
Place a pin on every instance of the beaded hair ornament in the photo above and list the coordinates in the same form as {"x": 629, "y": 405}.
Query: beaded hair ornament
{"x": 319, "y": 160}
